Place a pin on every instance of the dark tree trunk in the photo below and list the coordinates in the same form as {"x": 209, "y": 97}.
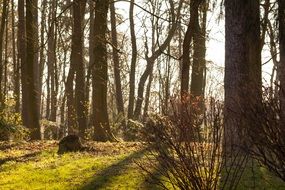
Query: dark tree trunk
{"x": 102, "y": 131}
{"x": 33, "y": 111}
{"x": 77, "y": 61}
{"x": 22, "y": 60}
{"x": 2, "y": 31}
{"x": 133, "y": 62}
{"x": 191, "y": 30}
{"x": 281, "y": 19}
{"x": 242, "y": 67}
{"x": 15, "y": 63}
{"x": 199, "y": 55}
{"x": 151, "y": 60}
{"x": 116, "y": 61}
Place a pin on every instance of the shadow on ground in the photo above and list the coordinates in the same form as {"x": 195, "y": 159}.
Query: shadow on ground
{"x": 102, "y": 179}
{"x": 23, "y": 158}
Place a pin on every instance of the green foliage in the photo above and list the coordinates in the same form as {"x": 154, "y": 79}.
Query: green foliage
{"x": 11, "y": 124}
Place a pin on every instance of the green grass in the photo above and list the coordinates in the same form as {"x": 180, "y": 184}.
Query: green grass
{"x": 34, "y": 166}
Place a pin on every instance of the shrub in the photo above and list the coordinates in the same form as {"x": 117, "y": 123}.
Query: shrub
{"x": 186, "y": 149}
{"x": 10, "y": 123}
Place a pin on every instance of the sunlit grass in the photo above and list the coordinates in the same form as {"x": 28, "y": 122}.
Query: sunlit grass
{"x": 19, "y": 169}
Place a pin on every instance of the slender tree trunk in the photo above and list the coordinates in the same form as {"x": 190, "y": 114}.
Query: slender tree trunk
{"x": 42, "y": 51}
{"x": 155, "y": 54}
{"x": 281, "y": 19}
{"x": 33, "y": 111}
{"x": 91, "y": 58}
{"x": 77, "y": 61}
{"x": 22, "y": 60}
{"x": 51, "y": 64}
{"x": 133, "y": 62}
{"x": 199, "y": 57}
{"x": 2, "y": 31}
{"x": 116, "y": 61}
{"x": 102, "y": 131}
{"x": 15, "y": 63}
{"x": 192, "y": 28}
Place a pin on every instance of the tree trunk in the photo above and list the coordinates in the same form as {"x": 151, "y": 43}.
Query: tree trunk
{"x": 116, "y": 61}
{"x": 102, "y": 131}
{"x": 191, "y": 30}
{"x": 151, "y": 60}
{"x": 22, "y": 60}
{"x": 133, "y": 62}
{"x": 77, "y": 61}
{"x": 281, "y": 19}
{"x": 33, "y": 111}
{"x": 2, "y": 31}
{"x": 15, "y": 63}
{"x": 242, "y": 67}
{"x": 199, "y": 55}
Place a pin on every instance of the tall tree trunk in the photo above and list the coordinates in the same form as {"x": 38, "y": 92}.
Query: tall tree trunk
{"x": 51, "y": 63}
{"x": 102, "y": 131}
{"x": 281, "y": 19}
{"x": 242, "y": 67}
{"x": 22, "y": 60}
{"x": 155, "y": 54}
{"x": 116, "y": 61}
{"x": 15, "y": 63}
{"x": 77, "y": 61}
{"x": 192, "y": 28}
{"x": 133, "y": 62}
{"x": 33, "y": 111}
{"x": 2, "y": 31}
{"x": 91, "y": 58}
{"x": 199, "y": 55}
{"x": 42, "y": 50}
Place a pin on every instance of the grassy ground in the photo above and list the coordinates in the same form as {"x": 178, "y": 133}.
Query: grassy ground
{"x": 107, "y": 166}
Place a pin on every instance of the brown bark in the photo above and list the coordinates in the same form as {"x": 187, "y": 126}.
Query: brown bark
{"x": 22, "y": 60}
{"x": 242, "y": 67}
{"x": 281, "y": 19}
{"x": 102, "y": 131}
{"x": 33, "y": 111}
{"x": 16, "y": 67}
{"x": 2, "y": 31}
{"x": 133, "y": 62}
{"x": 191, "y": 30}
{"x": 199, "y": 55}
{"x": 77, "y": 61}
{"x": 116, "y": 62}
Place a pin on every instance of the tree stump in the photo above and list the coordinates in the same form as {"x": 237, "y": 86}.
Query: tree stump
{"x": 70, "y": 143}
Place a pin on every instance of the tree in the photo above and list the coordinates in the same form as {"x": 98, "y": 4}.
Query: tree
{"x": 193, "y": 28}
{"x": 154, "y": 55}
{"x": 2, "y": 30}
{"x": 116, "y": 62}
{"x": 242, "y": 66}
{"x": 199, "y": 55}
{"x": 77, "y": 61}
{"x": 281, "y": 19}
{"x": 32, "y": 106}
{"x": 133, "y": 62}
{"x": 102, "y": 131}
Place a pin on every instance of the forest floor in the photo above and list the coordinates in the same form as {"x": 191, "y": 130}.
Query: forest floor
{"x": 37, "y": 165}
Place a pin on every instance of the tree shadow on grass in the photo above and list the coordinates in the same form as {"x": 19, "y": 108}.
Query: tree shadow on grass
{"x": 105, "y": 177}
{"x": 153, "y": 179}
{"x": 23, "y": 158}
